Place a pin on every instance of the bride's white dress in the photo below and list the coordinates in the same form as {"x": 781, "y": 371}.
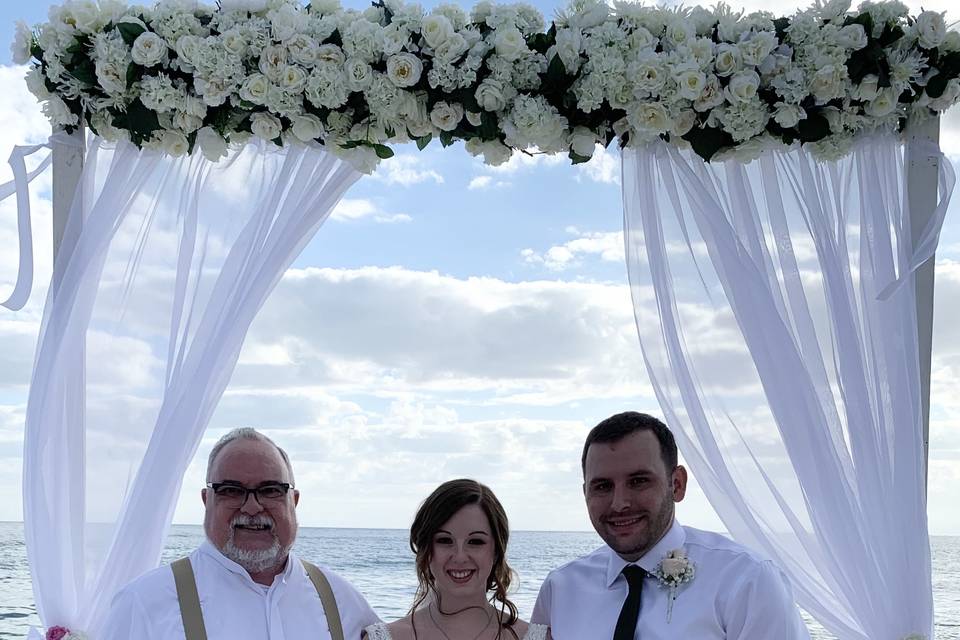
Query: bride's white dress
{"x": 379, "y": 632}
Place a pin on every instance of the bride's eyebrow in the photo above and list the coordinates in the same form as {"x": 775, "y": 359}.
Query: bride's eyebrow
{"x": 482, "y": 533}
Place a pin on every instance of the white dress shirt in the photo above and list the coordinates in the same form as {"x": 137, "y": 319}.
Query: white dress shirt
{"x": 734, "y": 595}
{"x": 233, "y": 605}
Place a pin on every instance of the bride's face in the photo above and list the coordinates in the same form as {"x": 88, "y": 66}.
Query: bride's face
{"x": 463, "y": 554}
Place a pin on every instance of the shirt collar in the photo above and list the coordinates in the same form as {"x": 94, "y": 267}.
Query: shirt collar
{"x": 209, "y": 549}
{"x": 674, "y": 538}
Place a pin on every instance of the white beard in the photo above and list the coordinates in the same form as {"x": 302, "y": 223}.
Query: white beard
{"x": 254, "y": 560}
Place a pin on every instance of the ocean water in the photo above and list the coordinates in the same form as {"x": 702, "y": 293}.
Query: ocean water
{"x": 379, "y": 563}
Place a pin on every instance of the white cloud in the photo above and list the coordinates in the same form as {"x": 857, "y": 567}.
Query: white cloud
{"x": 521, "y": 160}
{"x": 607, "y": 245}
{"x": 406, "y": 170}
{"x": 480, "y": 182}
{"x": 603, "y": 167}
{"x": 350, "y": 209}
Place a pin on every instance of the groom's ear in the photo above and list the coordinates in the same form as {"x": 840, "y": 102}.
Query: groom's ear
{"x": 678, "y": 480}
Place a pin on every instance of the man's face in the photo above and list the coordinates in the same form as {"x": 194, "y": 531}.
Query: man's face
{"x": 257, "y": 535}
{"x": 630, "y": 493}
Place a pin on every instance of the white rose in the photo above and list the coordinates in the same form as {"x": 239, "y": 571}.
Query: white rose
{"x": 265, "y": 125}
{"x": 651, "y": 116}
{"x": 883, "y": 104}
{"x": 303, "y": 50}
{"x": 243, "y": 5}
{"x": 233, "y": 41}
{"x": 174, "y": 143}
{"x": 690, "y": 83}
{"x": 255, "y": 88}
{"x": 475, "y": 119}
{"x": 362, "y": 158}
{"x": 293, "y": 78}
{"x": 683, "y": 122}
{"x": 435, "y": 29}
{"x": 743, "y": 86}
{"x": 490, "y": 95}
{"x": 509, "y": 43}
{"x": 111, "y": 77}
{"x": 307, "y": 127}
{"x": 404, "y": 69}
{"x": 757, "y": 48}
{"x": 149, "y": 49}
{"x": 188, "y": 48}
{"x": 951, "y": 42}
{"x": 789, "y": 115}
{"x": 583, "y": 142}
{"x": 284, "y": 22}
{"x": 673, "y": 567}
{"x": 445, "y": 116}
{"x": 212, "y": 145}
{"x": 679, "y": 32}
{"x": 86, "y": 15}
{"x": 451, "y": 49}
{"x": 358, "y": 72}
{"x": 273, "y": 59}
{"x": 727, "y": 59}
{"x": 330, "y": 53}
{"x": 186, "y": 122}
{"x": 852, "y": 36}
{"x": 868, "y": 87}
{"x": 931, "y": 29}
{"x": 825, "y": 84}
{"x": 569, "y": 42}
{"x": 22, "y": 41}
{"x": 37, "y": 84}
{"x": 494, "y": 152}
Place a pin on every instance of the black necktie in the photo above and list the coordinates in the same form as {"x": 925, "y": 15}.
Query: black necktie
{"x": 627, "y": 622}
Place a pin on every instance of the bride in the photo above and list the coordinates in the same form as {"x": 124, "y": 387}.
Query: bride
{"x": 459, "y": 537}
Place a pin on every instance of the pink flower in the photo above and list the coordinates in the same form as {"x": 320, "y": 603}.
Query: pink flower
{"x": 57, "y": 633}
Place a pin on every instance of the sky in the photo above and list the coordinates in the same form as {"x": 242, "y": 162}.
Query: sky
{"x": 477, "y": 320}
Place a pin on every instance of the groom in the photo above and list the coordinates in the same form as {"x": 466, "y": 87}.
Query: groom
{"x": 631, "y": 481}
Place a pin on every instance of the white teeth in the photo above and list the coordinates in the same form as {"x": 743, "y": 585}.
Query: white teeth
{"x": 460, "y": 575}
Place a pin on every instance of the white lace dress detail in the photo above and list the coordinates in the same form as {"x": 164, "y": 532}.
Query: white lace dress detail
{"x": 379, "y": 632}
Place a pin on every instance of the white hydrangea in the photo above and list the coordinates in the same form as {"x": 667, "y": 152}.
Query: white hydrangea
{"x": 533, "y": 121}
{"x": 327, "y": 86}
{"x": 22, "y": 41}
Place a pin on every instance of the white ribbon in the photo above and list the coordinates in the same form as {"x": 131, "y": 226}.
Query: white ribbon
{"x": 20, "y": 185}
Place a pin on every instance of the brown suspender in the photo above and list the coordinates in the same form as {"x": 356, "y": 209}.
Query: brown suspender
{"x": 192, "y": 616}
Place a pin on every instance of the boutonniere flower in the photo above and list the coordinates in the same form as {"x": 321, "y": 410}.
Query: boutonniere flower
{"x": 62, "y": 633}
{"x": 674, "y": 570}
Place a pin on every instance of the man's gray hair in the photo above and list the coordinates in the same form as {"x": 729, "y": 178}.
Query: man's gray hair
{"x": 245, "y": 433}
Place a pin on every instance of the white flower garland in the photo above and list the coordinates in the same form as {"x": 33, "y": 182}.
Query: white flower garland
{"x": 182, "y": 75}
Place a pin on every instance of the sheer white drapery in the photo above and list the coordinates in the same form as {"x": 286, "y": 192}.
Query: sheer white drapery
{"x": 163, "y": 266}
{"x": 778, "y": 325}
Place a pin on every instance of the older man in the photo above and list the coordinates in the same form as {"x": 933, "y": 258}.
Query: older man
{"x": 243, "y": 582}
{"x": 655, "y": 579}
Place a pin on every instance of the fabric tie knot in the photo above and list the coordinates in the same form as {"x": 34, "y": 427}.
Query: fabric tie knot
{"x": 627, "y": 622}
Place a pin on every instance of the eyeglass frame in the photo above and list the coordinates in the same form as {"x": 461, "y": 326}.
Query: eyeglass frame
{"x": 286, "y": 486}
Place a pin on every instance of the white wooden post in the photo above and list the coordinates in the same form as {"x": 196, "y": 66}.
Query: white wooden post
{"x": 922, "y": 179}
{"x": 67, "y": 166}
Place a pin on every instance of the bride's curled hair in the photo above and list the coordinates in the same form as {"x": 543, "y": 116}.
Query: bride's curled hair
{"x": 441, "y": 505}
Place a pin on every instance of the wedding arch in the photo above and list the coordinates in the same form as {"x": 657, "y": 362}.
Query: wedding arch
{"x": 783, "y": 192}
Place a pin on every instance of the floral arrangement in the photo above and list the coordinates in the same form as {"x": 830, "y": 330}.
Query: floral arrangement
{"x": 182, "y": 75}
{"x": 675, "y": 569}
{"x": 62, "y": 633}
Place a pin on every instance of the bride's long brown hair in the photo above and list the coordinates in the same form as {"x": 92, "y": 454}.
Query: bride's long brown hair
{"x": 441, "y": 505}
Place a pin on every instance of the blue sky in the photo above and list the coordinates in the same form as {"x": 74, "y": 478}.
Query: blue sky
{"x": 426, "y": 237}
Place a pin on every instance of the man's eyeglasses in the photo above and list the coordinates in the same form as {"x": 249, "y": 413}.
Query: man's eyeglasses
{"x": 231, "y": 493}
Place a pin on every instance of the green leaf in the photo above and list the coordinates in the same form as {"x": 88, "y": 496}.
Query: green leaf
{"x": 134, "y": 74}
{"x": 937, "y": 85}
{"x": 576, "y": 158}
{"x": 141, "y": 121}
{"x": 351, "y": 144}
{"x": 383, "y": 151}
{"x": 191, "y": 141}
{"x": 83, "y": 70}
{"x": 707, "y": 141}
{"x": 446, "y": 138}
{"x": 129, "y": 32}
{"x": 781, "y": 24}
{"x": 423, "y": 141}
{"x": 865, "y": 61}
{"x": 556, "y": 73}
{"x": 891, "y": 33}
{"x": 813, "y": 128}
{"x": 334, "y": 38}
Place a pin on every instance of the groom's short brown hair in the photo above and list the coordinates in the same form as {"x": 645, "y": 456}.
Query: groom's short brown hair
{"x": 619, "y": 426}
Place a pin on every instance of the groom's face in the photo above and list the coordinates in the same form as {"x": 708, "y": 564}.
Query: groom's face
{"x": 630, "y": 492}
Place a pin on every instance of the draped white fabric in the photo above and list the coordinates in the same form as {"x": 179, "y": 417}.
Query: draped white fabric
{"x": 163, "y": 266}
{"x": 786, "y": 360}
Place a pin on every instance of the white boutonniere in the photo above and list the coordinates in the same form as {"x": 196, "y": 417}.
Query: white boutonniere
{"x": 674, "y": 570}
